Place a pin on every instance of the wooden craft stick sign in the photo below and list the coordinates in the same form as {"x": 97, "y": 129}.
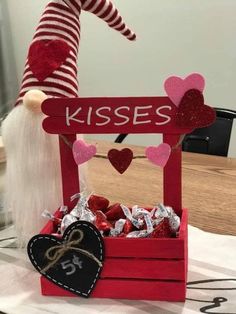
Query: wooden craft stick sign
{"x": 111, "y": 115}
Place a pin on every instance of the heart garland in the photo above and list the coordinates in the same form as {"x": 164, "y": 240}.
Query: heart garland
{"x": 74, "y": 262}
{"x": 121, "y": 159}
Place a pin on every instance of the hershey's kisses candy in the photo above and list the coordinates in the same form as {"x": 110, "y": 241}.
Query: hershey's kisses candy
{"x": 102, "y": 223}
{"x": 168, "y": 212}
{"x": 81, "y": 210}
{"x": 56, "y": 220}
{"x": 174, "y": 220}
{"x": 138, "y": 212}
{"x": 162, "y": 230}
{"x": 96, "y": 202}
{"x": 115, "y": 212}
{"x": 67, "y": 221}
{"x": 128, "y": 227}
{"x": 161, "y": 211}
{"x": 118, "y": 228}
{"x": 138, "y": 234}
{"x": 145, "y": 218}
{"x": 144, "y": 233}
{"x": 137, "y": 222}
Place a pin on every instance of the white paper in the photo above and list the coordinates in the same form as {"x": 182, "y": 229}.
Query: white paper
{"x": 211, "y": 257}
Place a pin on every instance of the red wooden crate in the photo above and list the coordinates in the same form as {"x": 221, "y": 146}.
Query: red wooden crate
{"x": 150, "y": 269}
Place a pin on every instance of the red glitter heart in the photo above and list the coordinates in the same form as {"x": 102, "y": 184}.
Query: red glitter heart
{"x": 192, "y": 113}
{"x": 47, "y": 56}
{"x": 120, "y": 160}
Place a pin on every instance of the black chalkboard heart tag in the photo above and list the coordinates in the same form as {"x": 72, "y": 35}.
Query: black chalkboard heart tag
{"x": 74, "y": 262}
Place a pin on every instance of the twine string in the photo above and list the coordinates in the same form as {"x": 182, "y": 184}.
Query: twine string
{"x": 55, "y": 253}
{"x": 180, "y": 141}
{"x": 176, "y": 146}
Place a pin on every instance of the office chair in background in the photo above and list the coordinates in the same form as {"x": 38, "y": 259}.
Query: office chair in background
{"x": 212, "y": 140}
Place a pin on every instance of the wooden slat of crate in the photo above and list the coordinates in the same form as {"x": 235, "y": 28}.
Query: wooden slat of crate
{"x": 127, "y": 289}
{"x": 139, "y": 248}
{"x": 143, "y": 269}
{"x": 140, "y": 289}
{"x": 144, "y": 248}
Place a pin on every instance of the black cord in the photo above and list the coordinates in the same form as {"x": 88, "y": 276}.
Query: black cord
{"x": 217, "y": 301}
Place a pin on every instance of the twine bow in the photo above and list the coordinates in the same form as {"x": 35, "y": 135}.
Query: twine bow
{"x": 56, "y": 252}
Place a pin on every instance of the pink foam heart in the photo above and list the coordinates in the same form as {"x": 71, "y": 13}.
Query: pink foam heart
{"x": 176, "y": 87}
{"x": 83, "y": 152}
{"x": 158, "y": 155}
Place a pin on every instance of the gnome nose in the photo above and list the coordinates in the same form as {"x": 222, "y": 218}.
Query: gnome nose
{"x": 33, "y": 100}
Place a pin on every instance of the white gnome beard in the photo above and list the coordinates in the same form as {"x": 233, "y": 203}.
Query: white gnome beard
{"x": 33, "y": 175}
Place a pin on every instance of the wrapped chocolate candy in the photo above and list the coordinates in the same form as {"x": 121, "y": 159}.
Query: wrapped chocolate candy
{"x": 128, "y": 227}
{"x": 46, "y": 214}
{"x": 118, "y": 228}
{"x": 139, "y": 212}
{"x": 168, "y": 212}
{"x": 81, "y": 210}
{"x": 137, "y": 234}
{"x": 96, "y": 202}
{"x": 137, "y": 222}
{"x": 63, "y": 209}
{"x": 115, "y": 212}
{"x": 101, "y": 222}
{"x": 144, "y": 233}
{"x": 162, "y": 230}
{"x": 67, "y": 221}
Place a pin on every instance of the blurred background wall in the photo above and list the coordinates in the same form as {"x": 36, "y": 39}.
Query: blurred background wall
{"x": 174, "y": 37}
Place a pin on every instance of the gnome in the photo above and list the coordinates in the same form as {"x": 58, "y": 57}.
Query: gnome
{"x": 33, "y": 177}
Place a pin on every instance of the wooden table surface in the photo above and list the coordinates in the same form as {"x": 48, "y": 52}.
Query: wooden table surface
{"x": 209, "y": 186}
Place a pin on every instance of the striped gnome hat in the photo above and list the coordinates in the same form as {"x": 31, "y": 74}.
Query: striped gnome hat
{"x": 51, "y": 65}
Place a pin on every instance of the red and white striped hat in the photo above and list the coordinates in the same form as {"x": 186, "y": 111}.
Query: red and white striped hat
{"x": 51, "y": 65}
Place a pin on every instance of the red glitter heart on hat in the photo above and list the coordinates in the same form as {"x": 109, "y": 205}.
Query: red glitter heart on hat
{"x": 192, "y": 112}
{"x": 46, "y": 56}
{"x": 120, "y": 160}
